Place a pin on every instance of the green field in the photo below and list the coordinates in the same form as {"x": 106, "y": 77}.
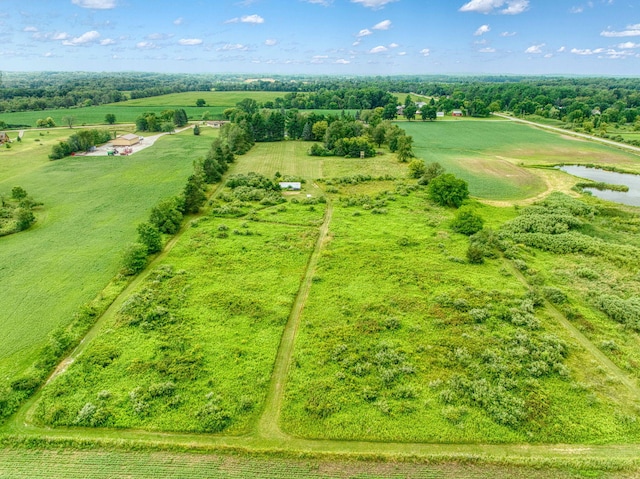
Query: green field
{"x": 91, "y": 208}
{"x": 355, "y": 327}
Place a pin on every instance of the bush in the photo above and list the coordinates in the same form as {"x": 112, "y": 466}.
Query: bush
{"x": 447, "y": 190}
{"x": 467, "y": 222}
{"x": 416, "y": 168}
{"x": 134, "y": 259}
{"x": 149, "y": 235}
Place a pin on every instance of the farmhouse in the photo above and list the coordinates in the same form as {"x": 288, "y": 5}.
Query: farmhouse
{"x": 456, "y": 113}
{"x": 4, "y": 138}
{"x": 126, "y": 140}
{"x": 290, "y": 185}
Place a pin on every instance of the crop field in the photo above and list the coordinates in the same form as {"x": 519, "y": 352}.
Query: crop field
{"x": 491, "y": 155}
{"x": 91, "y": 208}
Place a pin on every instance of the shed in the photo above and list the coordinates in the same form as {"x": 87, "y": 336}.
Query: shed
{"x": 439, "y": 114}
{"x": 290, "y": 185}
{"x": 4, "y": 138}
{"x": 456, "y": 113}
{"x": 126, "y": 140}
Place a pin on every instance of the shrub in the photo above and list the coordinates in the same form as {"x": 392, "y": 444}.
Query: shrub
{"x": 447, "y": 190}
{"x": 467, "y": 222}
{"x": 134, "y": 259}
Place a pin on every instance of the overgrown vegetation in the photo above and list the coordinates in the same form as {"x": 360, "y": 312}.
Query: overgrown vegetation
{"x": 16, "y": 211}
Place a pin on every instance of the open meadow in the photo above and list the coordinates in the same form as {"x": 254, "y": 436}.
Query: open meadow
{"x": 347, "y": 318}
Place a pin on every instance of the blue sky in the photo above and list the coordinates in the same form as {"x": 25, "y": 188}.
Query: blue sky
{"x": 338, "y": 37}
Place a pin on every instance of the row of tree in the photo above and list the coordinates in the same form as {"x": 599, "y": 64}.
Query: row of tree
{"x": 83, "y": 140}
{"x": 166, "y": 121}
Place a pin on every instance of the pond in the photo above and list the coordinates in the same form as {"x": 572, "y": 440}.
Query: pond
{"x": 631, "y": 197}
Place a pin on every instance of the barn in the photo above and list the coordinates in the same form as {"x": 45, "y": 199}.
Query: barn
{"x": 126, "y": 140}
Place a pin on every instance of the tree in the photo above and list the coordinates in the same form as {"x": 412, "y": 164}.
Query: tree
{"x": 319, "y": 129}
{"x": 180, "y": 117}
{"x": 149, "y": 235}
{"x": 24, "y": 219}
{"x": 196, "y": 130}
{"x": 378, "y": 134}
{"x": 405, "y": 148}
{"x": 18, "y": 193}
{"x": 390, "y": 112}
{"x": 110, "y": 118}
{"x": 194, "y": 193}
{"x": 69, "y": 120}
{"x": 167, "y": 215}
{"x": 416, "y": 168}
{"x": 200, "y": 102}
{"x": 467, "y": 222}
{"x": 410, "y": 111}
{"x": 431, "y": 171}
{"x": 307, "y": 134}
{"x": 134, "y": 259}
{"x": 448, "y": 190}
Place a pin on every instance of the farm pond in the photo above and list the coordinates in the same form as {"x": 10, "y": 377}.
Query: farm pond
{"x": 631, "y": 197}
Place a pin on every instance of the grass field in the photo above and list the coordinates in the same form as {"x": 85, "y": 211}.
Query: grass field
{"x": 400, "y": 338}
{"x": 491, "y": 155}
{"x": 91, "y": 208}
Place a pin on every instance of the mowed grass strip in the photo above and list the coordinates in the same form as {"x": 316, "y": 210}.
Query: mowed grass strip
{"x": 61, "y": 464}
{"x": 92, "y": 206}
{"x": 289, "y": 158}
{"x": 193, "y": 348}
{"x": 403, "y": 340}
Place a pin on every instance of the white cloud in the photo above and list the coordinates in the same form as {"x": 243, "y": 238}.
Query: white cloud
{"x": 631, "y": 31}
{"x": 270, "y": 42}
{"x": 536, "y": 49}
{"x": 587, "y": 51}
{"x": 513, "y": 7}
{"x": 508, "y": 34}
{"x": 364, "y": 32}
{"x": 255, "y": 19}
{"x": 146, "y": 45}
{"x": 60, "y": 36}
{"x": 30, "y": 29}
{"x": 562, "y": 49}
{"x": 178, "y": 21}
{"x": 425, "y": 51}
{"x": 549, "y": 55}
{"x": 342, "y": 61}
{"x": 393, "y": 45}
{"x": 324, "y": 3}
{"x": 487, "y": 50}
{"x": 383, "y": 25}
{"x": 629, "y": 45}
{"x": 95, "y": 4}
{"x": 107, "y": 42}
{"x": 579, "y": 9}
{"x": 190, "y": 41}
{"x": 401, "y": 54}
{"x": 482, "y": 30}
{"x": 232, "y": 46}
{"x": 159, "y": 36}
{"x": 375, "y": 4}
{"x": 378, "y": 49}
{"x": 83, "y": 39}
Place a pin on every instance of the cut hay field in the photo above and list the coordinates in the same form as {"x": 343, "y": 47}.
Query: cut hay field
{"x": 91, "y": 208}
{"x": 491, "y": 155}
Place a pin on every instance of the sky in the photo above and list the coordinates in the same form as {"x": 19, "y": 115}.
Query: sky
{"x": 323, "y": 37}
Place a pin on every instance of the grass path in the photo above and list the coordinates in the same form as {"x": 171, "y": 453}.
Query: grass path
{"x": 268, "y": 425}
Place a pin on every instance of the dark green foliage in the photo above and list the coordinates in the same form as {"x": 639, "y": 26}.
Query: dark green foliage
{"x": 416, "y": 168}
{"x": 623, "y": 311}
{"x": 80, "y": 141}
{"x": 180, "y": 118}
{"x": 134, "y": 259}
{"x": 110, "y": 118}
{"x": 252, "y": 180}
{"x": 167, "y": 215}
{"x": 475, "y": 254}
{"x": 354, "y": 148}
{"x": 196, "y": 130}
{"x": 431, "y": 171}
{"x": 24, "y": 218}
{"x": 448, "y": 190}
{"x": 554, "y": 295}
{"x": 149, "y": 235}
{"x": 467, "y": 222}
{"x": 200, "y": 102}
{"x": 194, "y": 193}
{"x": 18, "y": 193}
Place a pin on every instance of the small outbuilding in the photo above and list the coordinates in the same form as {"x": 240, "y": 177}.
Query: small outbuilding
{"x": 439, "y": 114}
{"x": 126, "y": 140}
{"x": 4, "y": 138}
{"x": 290, "y": 185}
{"x": 456, "y": 113}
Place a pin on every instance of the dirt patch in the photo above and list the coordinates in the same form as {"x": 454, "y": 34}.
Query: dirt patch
{"x": 499, "y": 167}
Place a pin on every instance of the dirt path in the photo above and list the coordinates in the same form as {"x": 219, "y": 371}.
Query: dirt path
{"x": 268, "y": 425}
{"x": 143, "y": 145}
{"x": 624, "y": 146}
